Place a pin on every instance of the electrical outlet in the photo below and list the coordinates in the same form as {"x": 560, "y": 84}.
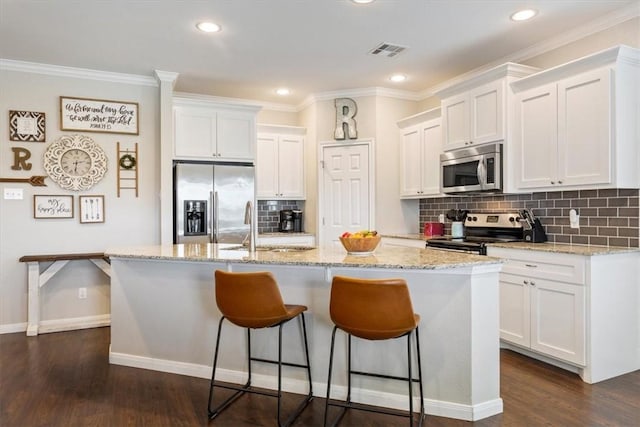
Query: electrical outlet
{"x": 574, "y": 219}
{"x": 82, "y": 293}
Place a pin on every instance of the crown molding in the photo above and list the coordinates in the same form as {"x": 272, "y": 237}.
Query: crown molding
{"x": 617, "y": 54}
{"x": 199, "y": 100}
{"x": 286, "y": 129}
{"x": 166, "y": 76}
{"x": 77, "y": 73}
{"x": 357, "y": 93}
{"x": 434, "y": 113}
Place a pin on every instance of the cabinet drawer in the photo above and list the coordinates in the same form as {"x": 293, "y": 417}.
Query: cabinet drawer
{"x": 545, "y": 265}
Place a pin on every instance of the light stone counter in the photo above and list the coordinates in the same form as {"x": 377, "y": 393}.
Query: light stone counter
{"x": 164, "y": 317}
{"x": 564, "y": 248}
{"x": 383, "y": 257}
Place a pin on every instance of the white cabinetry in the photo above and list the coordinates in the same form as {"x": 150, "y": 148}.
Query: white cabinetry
{"x": 207, "y": 130}
{"x": 280, "y": 163}
{"x": 475, "y": 110}
{"x": 542, "y": 303}
{"x": 572, "y": 124}
{"x": 420, "y": 147}
{"x": 577, "y": 310}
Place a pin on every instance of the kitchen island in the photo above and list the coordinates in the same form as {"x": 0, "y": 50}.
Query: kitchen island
{"x": 164, "y": 317}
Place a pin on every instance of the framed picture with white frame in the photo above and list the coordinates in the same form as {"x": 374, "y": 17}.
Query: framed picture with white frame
{"x": 91, "y": 209}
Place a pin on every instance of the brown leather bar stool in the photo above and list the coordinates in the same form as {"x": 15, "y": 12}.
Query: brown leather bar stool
{"x": 373, "y": 309}
{"x": 253, "y": 301}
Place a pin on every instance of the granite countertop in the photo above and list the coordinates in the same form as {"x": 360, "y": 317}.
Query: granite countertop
{"x": 395, "y": 257}
{"x": 565, "y": 248}
{"x": 285, "y": 234}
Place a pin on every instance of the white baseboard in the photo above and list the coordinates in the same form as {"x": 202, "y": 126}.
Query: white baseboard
{"x": 12, "y": 328}
{"x": 364, "y": 396}
{"x": 73, "y": 323}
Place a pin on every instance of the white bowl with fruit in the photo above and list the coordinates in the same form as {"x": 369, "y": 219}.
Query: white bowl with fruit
{"x": 360, "y": 243}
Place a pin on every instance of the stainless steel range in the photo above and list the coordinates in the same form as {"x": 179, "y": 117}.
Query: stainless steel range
{"x": 483, "y": 228}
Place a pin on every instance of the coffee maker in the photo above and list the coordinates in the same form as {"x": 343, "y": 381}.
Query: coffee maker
{"x": 297, "y": 221}
{"x": 286, "y": 221}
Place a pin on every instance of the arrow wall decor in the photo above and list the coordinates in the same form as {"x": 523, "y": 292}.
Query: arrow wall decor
{"x": 35, "y": 181}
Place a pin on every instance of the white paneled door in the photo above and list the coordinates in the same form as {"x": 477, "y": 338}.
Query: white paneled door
{"x": 346, "y": 193}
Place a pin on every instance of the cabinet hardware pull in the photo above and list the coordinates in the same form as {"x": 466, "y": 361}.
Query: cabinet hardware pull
{"x": 533, "y": 283}
{"x": 531, "y": 265}
{"x": 559, "y": 182}
{"x": 526, "y": 282}
{"x": 553, "y": 182}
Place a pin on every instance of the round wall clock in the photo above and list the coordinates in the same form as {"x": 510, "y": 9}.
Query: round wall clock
{"x": 75, "y": 162}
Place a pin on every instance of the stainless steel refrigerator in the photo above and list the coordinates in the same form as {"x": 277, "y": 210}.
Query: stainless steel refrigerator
{"x": 209, "y": 202}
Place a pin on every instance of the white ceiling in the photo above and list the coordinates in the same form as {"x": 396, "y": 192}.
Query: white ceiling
{"x": 310, "y": 46}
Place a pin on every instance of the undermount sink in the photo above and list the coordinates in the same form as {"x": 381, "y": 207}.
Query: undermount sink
{"x": 272, "y": 248}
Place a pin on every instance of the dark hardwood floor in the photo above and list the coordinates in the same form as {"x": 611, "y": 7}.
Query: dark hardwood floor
{"x": 64, "y": 379}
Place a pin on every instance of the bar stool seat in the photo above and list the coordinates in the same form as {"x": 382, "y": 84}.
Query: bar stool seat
{"x": 373, "y": 309}
{"x": 253, "y": 301}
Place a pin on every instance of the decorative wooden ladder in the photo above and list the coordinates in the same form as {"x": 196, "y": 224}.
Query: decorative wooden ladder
{"x": 127, "y": 175}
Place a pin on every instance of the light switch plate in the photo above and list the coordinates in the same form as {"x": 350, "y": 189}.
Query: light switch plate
{"x": 13, "y": 194}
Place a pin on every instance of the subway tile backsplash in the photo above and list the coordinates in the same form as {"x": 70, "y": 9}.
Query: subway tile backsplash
{"x": 607, "y": 217}
{"x": 269, "y": 213}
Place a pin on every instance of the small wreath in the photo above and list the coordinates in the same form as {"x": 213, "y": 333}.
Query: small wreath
{"x": 127, "y": 161}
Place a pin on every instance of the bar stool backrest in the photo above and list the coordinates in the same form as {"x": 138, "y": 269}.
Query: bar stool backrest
{"x": 249, "y": 300}
{"x": 373, "y": 309}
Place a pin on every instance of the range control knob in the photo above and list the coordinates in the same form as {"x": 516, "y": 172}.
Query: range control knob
{"x": 475, "y": 218}
{"x": 511, "y": 219}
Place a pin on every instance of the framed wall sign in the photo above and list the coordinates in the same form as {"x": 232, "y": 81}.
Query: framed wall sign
{"x": 91, "y": 209}
{"x": 26, "y": 126}
{"x": 98, "y": 115}
{"x": 52, "y": 206}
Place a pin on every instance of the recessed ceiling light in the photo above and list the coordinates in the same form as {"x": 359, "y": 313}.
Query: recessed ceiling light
{"x": 523, "y": 15}
{"x": 362, "y": 1}
{"x": 283, "y": 91}
{"x": 397, "y": 78}
{"x": 208, "y": 27}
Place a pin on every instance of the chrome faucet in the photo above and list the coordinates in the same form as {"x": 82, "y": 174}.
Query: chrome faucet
{"x": 248, "y": 219}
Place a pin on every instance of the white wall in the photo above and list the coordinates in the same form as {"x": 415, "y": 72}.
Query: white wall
{"x": 128, "y": 220}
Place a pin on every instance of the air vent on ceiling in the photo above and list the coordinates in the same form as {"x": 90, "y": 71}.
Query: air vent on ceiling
{"x": 387, "y": 49}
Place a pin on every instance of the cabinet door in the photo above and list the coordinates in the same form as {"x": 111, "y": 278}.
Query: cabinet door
{"x": 410, "y": 162}
{"x": 194, "y": 133}
{"x": 235, "y": 136}
{"x": 558, "y": 320}
{"x": 291, "y": 167}
{"x": 536, "y": 138}
{"x": 455, "y": 121}
{"x": 487, "y": 113}
{"x": 514, "y": 309}
{"x": 267, "y": 167}
{"x": 431, "y": 148}
{"x": 584, "y": 129}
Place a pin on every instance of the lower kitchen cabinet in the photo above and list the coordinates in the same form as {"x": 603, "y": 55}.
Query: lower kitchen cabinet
{"x": 578, "y": 311}
{"x": 543, "y": 315}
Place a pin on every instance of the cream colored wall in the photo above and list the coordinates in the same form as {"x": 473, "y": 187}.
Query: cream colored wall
{"x": 428, "y": 103}
{"x": 393, "y": 215}
{"x": 625, "y": 33}
{"x": 273, "y": 117}
{"x": 307, "y": 119}
{"x": 128, "y": 220}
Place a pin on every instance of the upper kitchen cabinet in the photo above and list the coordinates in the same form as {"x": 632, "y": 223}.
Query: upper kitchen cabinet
{"x": 207, "y": 130}
{"x": 280, "y": 163}
{"x": 475, "y": 109}
{"x": 420, "y": 147}
{"x": 576, "y": 125}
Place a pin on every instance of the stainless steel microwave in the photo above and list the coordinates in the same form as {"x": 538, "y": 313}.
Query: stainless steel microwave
{"x": 472, "y": 170}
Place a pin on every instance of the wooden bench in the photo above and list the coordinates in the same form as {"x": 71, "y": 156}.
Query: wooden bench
{"x": 37, "y": 278}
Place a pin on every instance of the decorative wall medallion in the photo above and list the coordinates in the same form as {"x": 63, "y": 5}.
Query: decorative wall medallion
{"x": 26, "y": 126}
{"x": 75, "y": 162}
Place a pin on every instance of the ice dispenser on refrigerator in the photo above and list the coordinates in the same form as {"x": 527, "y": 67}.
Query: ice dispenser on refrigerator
{"x": 210, "y": 200}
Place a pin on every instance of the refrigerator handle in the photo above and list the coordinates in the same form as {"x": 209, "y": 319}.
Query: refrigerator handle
{"x": 214, "y": 217}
